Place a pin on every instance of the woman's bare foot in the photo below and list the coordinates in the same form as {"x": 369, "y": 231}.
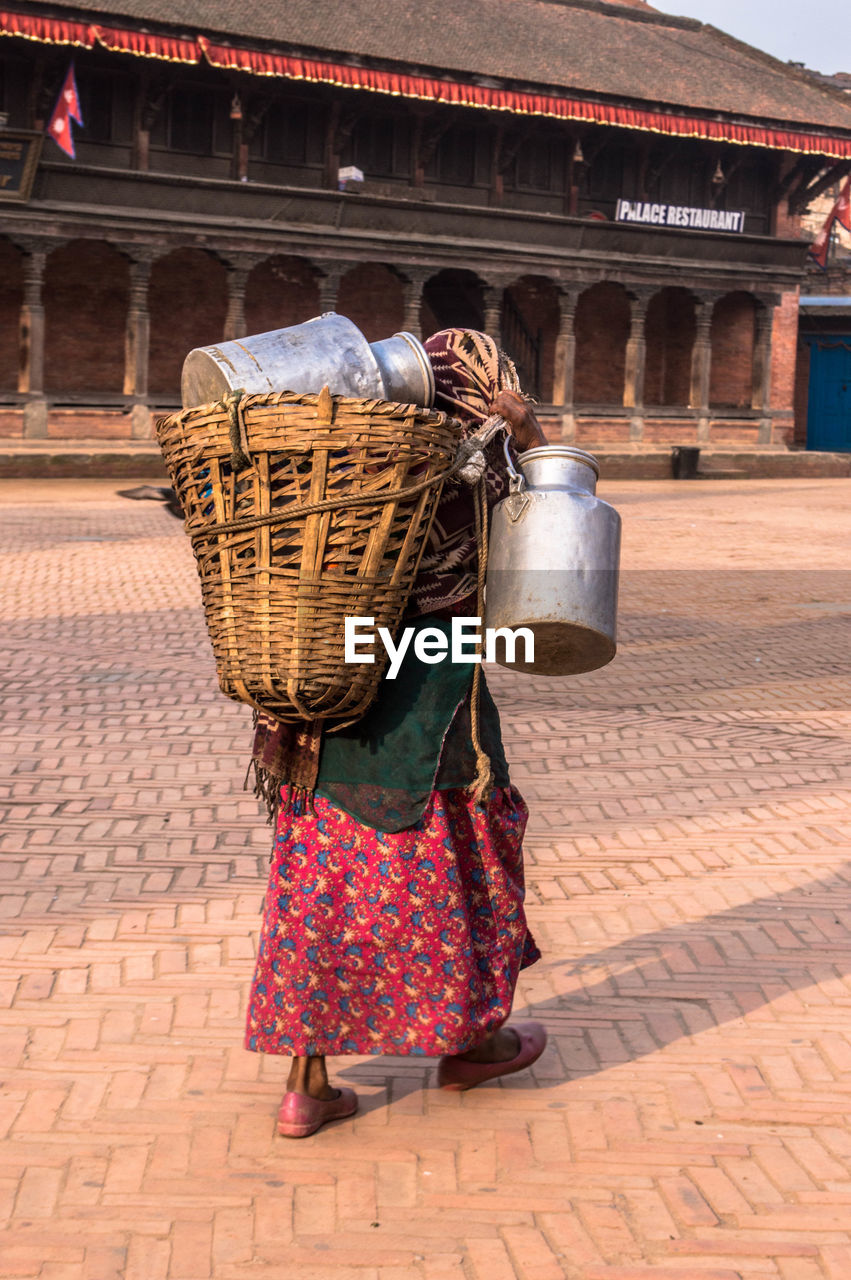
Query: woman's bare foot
{"x": 310, "y": 1076}
{"x": 499, "y": 1046}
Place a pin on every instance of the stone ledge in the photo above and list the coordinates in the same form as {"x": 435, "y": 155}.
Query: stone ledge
{"x": 77, "y": 459}
{"x": 723, "y": 464}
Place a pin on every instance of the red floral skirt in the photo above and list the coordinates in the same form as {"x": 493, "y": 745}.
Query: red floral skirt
{"x": 403, "y": 943}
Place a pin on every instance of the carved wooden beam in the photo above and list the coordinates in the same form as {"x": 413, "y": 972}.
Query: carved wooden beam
{"x": 786, "y": 183}
{"x": 510, "y": 148}
{"x": 805, "y": 195}
{"x": 254, "y": 112}
{"x": 594, "y": 144}
{"x": 431, "y": 131}
{"x": 343, "y": 128}
{"x": 810, "y": 168}
{"x": 154, "y": 93}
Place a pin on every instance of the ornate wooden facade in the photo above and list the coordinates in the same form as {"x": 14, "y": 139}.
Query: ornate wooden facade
{"x": 204, "y": 202}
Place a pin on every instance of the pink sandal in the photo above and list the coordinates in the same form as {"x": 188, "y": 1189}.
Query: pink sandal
{"x": 457, "y": 1073}
{"x": 300, "y": 1115}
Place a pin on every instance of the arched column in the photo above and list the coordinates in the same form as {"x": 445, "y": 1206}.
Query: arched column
{"x": 635, "y": 364}
{"x": 31, "y": 339}
{"x": 137, "y": 336}
{"x": 761, "y": 398}
{"x": 701, "y": 365}
{"x": 329, "y": 284}
{"x": 137, "y": 341}
{"x": 414, "y": 280}
{"x": 238, "y": 268}
{"x": 565, "y": 363}
{"x": 492, "y": 296}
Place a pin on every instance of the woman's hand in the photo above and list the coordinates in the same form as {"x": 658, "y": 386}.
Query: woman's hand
{"x": 525, "y": 429}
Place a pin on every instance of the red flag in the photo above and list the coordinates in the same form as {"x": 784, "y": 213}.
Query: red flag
{"x": 820, "y": 247}
{"x": 67, "y": 109}
{"x": 842, "y": 208}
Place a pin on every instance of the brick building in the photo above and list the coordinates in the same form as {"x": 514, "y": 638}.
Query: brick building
{"x": 558, "y": 172}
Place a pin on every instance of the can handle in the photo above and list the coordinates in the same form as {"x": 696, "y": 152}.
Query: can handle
{"x": 516, "y": 481}
{"x": 518, "y": 499}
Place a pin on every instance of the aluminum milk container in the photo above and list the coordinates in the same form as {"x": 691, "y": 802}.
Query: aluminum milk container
{"x": 327, "y": 351}
{"x": 553, "y": 563}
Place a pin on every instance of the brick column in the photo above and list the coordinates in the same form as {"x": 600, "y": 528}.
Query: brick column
{"x": 493, "y": 311}
{"x": 701, "y": 366}
{"x": 565, "y": 364}
{"x": 31, "y": 338}
{"x": 329, "y": 284}
{"x": 238, "y": 269}
{"x": 138, "y": 331}
{"x": 634, "y": 366}
{"x": 413, "y": 296}
{"x": 761, "y": 393}
{"x": 137, "y": 341}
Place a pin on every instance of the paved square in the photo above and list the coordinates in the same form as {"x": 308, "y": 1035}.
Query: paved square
{"x": 689, "y": 865}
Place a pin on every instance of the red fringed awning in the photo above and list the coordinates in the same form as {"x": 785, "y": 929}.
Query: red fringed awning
{"x": 468, "y": 95}
{"x": 45, "y": 30}
{"x": 144, "y": 45}
{"x": 401, "y": 85}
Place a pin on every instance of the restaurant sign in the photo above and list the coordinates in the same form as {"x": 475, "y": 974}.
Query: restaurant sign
{"x": 651, "y": 213}
{"x": 19, "y": 153}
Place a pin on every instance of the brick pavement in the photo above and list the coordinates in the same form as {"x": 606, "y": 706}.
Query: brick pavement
{"x": 688, "y": 861}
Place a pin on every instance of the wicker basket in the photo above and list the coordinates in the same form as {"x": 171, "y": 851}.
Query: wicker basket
{"x": 277, "y": 576}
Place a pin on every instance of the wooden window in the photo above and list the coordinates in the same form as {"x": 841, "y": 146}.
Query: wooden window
{"x": 190, "y": 120}
{"x": 540, "y": 166}
{"x": 748, "y": 187}
{"x": 285, "y": 133}
{"x": 292, "y": 133}
{"x": 97, "y": 103}
{"x": 15, "y": 79}
{"x": 455, "y": 159}
{"x": 381, "y": 147}
{"x": 604, "y": 177}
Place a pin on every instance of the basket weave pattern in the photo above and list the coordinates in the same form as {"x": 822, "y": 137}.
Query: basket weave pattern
{"x": 277, "y": 583}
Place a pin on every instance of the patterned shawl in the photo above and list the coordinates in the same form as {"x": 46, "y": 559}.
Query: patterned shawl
{"x": 469, "y": 372}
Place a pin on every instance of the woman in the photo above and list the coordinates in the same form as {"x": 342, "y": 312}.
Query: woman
{"x": 393, "y": 920}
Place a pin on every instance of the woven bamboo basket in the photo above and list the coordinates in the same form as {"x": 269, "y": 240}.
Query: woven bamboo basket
{"x": 278, "y": 577}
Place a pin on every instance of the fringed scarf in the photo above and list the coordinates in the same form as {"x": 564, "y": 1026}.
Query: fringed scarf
{"x": 469, "y": 372}
{"x": 284, "y": 755}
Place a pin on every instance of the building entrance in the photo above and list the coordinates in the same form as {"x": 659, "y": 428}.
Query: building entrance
{"x": 829, "y": 410}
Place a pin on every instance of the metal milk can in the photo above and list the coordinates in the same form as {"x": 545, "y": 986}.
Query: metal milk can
{"x": 553, "y": 563}
{"x": 327, "y": 351}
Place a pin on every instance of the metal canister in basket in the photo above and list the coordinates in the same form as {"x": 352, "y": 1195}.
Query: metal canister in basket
{"x": 329, "y": 350}
{"x": 553, "y": 562}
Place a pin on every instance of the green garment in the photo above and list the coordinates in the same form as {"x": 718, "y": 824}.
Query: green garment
{"x": 415, "y": 739}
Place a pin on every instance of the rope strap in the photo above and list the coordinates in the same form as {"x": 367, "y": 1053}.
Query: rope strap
{"x": 481, "y": 789}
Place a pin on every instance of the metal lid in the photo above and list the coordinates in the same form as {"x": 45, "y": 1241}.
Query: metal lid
{"x": 565, "y": 453}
